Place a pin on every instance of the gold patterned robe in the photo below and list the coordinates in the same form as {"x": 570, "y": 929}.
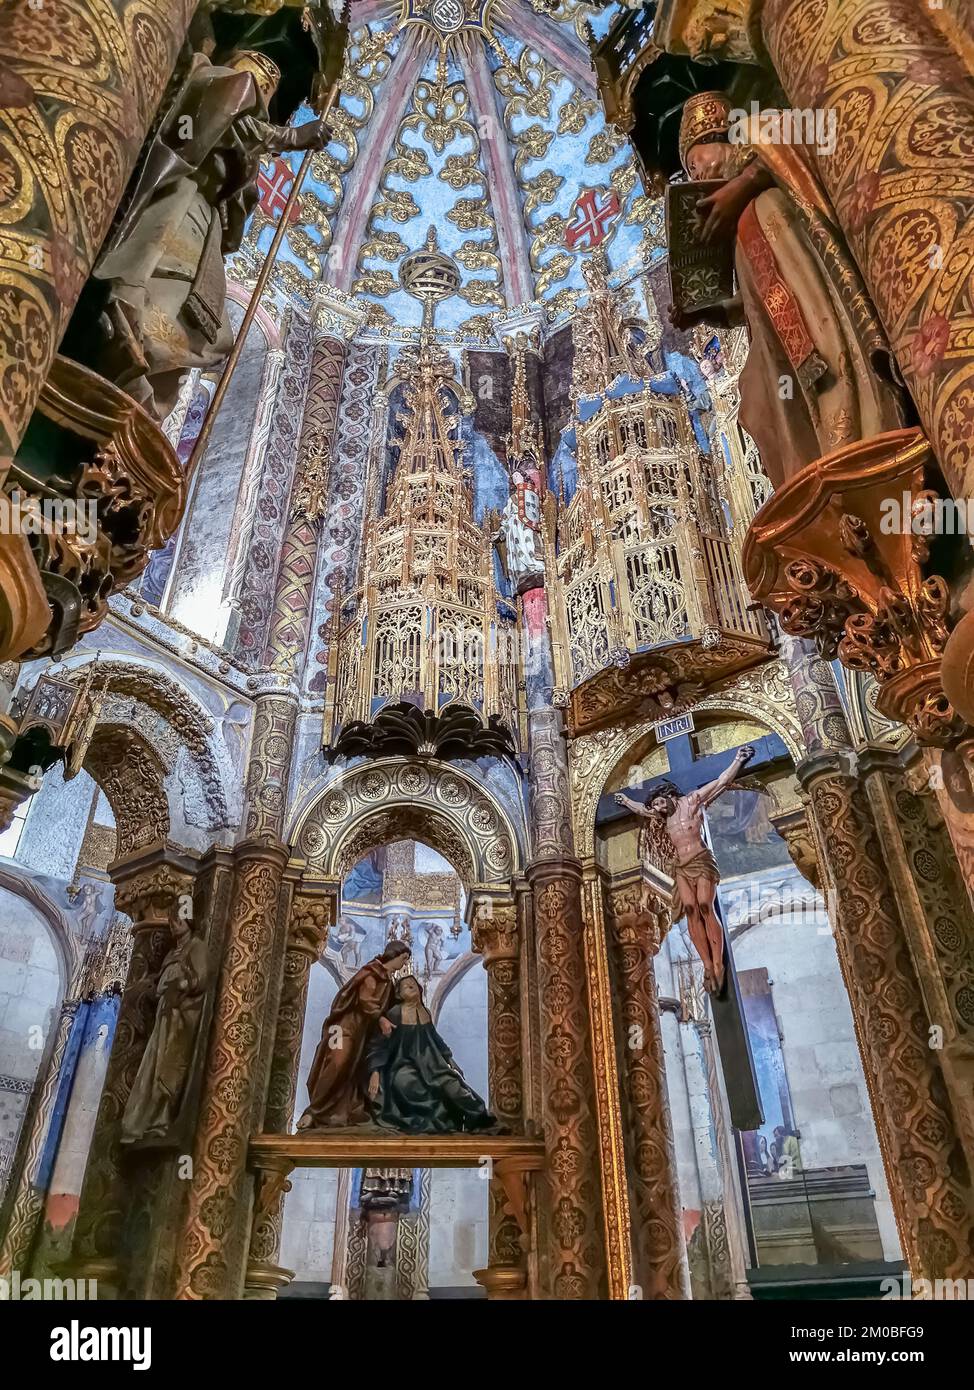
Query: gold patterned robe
{"x": 819, "y": 373}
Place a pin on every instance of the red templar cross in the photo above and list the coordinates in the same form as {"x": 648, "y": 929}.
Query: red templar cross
{"x": 593, "y": 214}
{"x": 273, "y": 185}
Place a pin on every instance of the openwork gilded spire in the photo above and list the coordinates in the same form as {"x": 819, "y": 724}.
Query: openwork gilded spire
{"x": 605, "y": 346}
{"x": 423, "y": 628}
{"x": 524, "y": 441}
{"x": 646, "y": 555}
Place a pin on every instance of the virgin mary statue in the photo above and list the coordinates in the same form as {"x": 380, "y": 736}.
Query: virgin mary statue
{"x": 414, "y": 1084}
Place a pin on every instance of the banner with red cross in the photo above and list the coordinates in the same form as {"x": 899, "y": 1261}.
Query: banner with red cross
{"x": 273, "y": 186}
{"x": 593, "y": 217}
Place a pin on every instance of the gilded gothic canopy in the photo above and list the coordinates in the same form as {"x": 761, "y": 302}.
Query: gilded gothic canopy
{"x": 480, "y": 116}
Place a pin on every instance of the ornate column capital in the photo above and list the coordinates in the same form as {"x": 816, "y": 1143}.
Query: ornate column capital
{"x": 634, "y": 923}
{"x": 835, "y": 762}
{"x": 335, "y": 314}
{"x": 794, "y": 829}
{"x": 148, "y": 882}
{"x": 266, "y": 851}
{"x": 872, "y": 759}
{"x": 547, "y": 870}
{"x": 311, "y": 920}
{"x": 493, "y": 930}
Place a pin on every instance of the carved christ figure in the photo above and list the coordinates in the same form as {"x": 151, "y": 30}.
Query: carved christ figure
{"x": 675, "y": 844}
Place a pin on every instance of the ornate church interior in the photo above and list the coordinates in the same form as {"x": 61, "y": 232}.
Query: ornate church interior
{"x": 486, "y": 648}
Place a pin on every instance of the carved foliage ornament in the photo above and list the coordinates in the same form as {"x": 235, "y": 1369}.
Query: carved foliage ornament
{"x": 711, "y": 31}
{"x": 823, "y": 554}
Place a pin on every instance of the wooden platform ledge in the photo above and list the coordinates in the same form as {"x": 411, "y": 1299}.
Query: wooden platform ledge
{"x": 512, "y": 1158}
{"x": 360, "y": 1149}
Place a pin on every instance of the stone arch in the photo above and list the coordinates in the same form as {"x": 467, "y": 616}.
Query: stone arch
{"x": 458, "y": 969}
{"x": 21, "y": 1203}
{"x": 66, "y": 946}
{"x": 164, "y": 719}
{"x": 132, "y": 776}
{"x": 763, "y": 695}
{"x": 409, "y": 798}
{"x": 239, "y": 294}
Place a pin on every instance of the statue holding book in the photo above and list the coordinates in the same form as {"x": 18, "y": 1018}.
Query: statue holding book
{"x": 819, "y": 373}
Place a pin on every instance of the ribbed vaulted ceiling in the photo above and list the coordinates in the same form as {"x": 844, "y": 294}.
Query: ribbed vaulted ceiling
{"x": 478, "y": 118}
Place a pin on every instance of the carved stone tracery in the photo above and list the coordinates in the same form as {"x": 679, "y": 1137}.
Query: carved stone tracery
{"x": 131, "y": 776}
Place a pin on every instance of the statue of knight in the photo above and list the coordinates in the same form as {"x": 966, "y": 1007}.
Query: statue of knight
{"x": 163, "y": 267}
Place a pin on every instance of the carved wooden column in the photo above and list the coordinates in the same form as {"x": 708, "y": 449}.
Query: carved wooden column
{"x": 214, "y": 1238}
{"x": 80, "y": 95}
{"x": 495, "y": 937}
{"x": 287, "y": 632}
{"x": 148, "y": 886}
{"x": 658, "y": 1253}
{"x": 928, "y": 1176}
{"x": 576, "y": 1255}
{"x": 936, "y": 913}
{"x": 312, "y": 915}
{"x": 216, "y": 1235}
{"x": 605, "y": 1055}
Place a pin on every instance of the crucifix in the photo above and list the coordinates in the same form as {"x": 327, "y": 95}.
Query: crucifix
{"x": 680, "y": 866}
{"x": 676, "y": 845}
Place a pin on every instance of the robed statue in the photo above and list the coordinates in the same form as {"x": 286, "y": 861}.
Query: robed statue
{"x": 166, "y": 308}
{"x": 672, "y": 847}
{"x": 338, "y": 1080}
{"x": 414, "y": 1084}
{"x": 819, "y": 373}
{"x": 160, "y": 1081}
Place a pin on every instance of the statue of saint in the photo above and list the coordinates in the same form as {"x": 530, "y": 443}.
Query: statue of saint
{"x": 519, "y": 533}
{"x": 433, "y": 949}
{"x": 154, "y": 1099}
{"x": 674, "y": 845}
{"x": 338, "y": 1080}
{"x": 414, "y": 1084}
{"x": 347, "y": 938}
{"x": 166, "y": 288}
{"x": 819, "y": 373}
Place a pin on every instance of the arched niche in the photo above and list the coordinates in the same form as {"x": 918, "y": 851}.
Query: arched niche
{"x": 34, "y": 985}
{"x": 396, "y": 799}
{"x": 132, "y": 776}
{"x": 66, "y": 946}
{"x": 763, "y": 696}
